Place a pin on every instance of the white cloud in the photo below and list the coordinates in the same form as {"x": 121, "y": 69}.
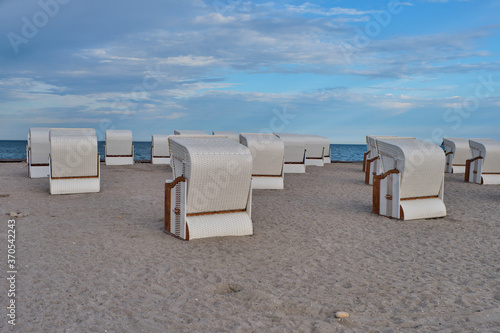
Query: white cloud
{"x": 173, "y": 116}
{"x": 309, "y": 8}
{"x": 190, "y": 60}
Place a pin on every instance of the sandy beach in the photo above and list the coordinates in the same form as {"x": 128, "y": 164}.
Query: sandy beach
{"x": 102, "y": 263}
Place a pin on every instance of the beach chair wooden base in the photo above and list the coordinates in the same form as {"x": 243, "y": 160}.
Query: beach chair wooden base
{"x": 74, "y": 185}
{"x": 315, "y": 162}
{"x": 160, "y": 160}
{"x": 294, "y": 168}
{"x": 39, "y": 171}
{"x": 119, "y": 160}
{"x": 268, "y": 182}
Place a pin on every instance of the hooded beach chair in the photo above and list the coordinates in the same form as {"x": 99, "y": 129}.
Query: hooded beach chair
{"x": 37, "y": 152}
{"x": 457, "y": 153}
{"x": 229, "y": 134}
{"x": 189, "y": 132}
{"x": 119, "y": 149}
{"x": 412, "y": 184}
{"x": 74, "y": 161}
{"x": 371, "y": 161}
{"x": 211, "y": 194}
{"x": 295, "y": 152}
{"x": 160, "y": 153}
{"x": 484, "y": 166}
{"x": 318, "y": 150}
{"x": 268, "y": 152}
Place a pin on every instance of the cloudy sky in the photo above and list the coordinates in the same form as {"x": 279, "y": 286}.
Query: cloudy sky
{"x": 342, "y": 69}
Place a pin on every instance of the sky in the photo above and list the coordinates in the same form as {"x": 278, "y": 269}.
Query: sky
{"x": 341, "y": 69}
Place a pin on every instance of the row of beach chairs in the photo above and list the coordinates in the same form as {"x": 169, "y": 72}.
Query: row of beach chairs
{"x": 214, "y": 175}
{"x": 408, "y": 174}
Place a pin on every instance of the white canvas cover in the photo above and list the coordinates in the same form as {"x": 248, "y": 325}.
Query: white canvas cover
{"x": 159, "y": 146}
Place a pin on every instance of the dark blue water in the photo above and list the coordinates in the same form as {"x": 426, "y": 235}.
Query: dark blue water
{"x": 142, "y": 151}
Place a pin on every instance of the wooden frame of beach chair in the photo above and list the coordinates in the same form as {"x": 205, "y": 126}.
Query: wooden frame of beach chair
{"x": 268, "y": 154}
{"x": 484, "y": 166}
{"x": 189, "y": 132}
{"x": 37, "y": 152}
{"x": 211, "y": 193}
{"x": 119, "y": 149}
{"x": 412, "y": 185}
{"x": 74, "y": 161}
{"x": 229, "y": 134}
{"x": 160, "y": 153}
{"x": 371, "y": 160}
{"x": 457, "y": 153}
{"x": 295, "y": 152}
{"x": 318, "y": 150}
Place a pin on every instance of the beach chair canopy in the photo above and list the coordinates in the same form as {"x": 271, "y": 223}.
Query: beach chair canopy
{"x": 460, "y": 149}
{"x": 217, "y": 169}
{"x": 267, "y": 152}
{"x": 119, "y": 143}
{"x": 371, "y": 143}
{"x": 189, "y": 132}
{"x": 421, "y": 165}
{"x": 159, "y": 146}
{"x": 39, "y": 145}
{"x": 229, "y": 134}
{"x": 73, "y": 153}
{"x": 489, "y": 150}
{"x": 317, "y": 146}
{"x": 295, "y": 147}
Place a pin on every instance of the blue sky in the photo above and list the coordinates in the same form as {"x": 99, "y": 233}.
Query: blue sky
{"x": 342, "y": 69}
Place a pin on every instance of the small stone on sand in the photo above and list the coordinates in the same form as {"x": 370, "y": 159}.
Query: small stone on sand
{"x": 341, "y": 314}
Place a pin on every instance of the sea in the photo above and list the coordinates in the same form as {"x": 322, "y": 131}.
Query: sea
{"x": 16, "y": 150}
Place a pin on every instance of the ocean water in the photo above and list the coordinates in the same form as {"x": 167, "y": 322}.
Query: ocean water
{"x": 142, "y": 151}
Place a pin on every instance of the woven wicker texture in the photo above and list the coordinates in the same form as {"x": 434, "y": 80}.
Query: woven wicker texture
{"x": 229, "y": 134}
{"x": 118, "y": 142}
{"x": 230, "y": 224}
{"x": 491, "y": 179}
{"x": 159, "y": 145}
{"x": 420, "y": 163}
{"x": 75, "y": 185}
{"x": 189, "y": 132}
{"x": 489, "y": 150}
{"x": 371, "y": 144}
{"x": 73, "y": 152}
{"x": 267, "y": 152}
{"x": 460, "y": 149}
{"x": 295, "y": 147}
{"x": 39, "y": 144}
{"x": 423, "y": 208}
{"x": 218, "y": 172}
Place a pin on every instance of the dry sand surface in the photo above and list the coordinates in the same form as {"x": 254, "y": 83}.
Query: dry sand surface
{"x": 101, "y": 263}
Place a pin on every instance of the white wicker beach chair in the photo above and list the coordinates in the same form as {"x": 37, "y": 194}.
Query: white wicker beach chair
{"x": 295, "y": 152}
{"x": 457, "y": 153}
{"x": 160, "y": 153}
{"x": 37, "y": 152}
{"x": 317, "y": 150}
{"x": 412, "y": 186}
{"x": 371, "y": 160}
{"x": 189, "y": 132}
{"x": 229, "y": 134}
{"x": 484, "y": 166}
{"x": 268, "y": 152}
{"x": 119, "y": 149}
{"x": 74, "y": 161}
{"x": 211, "y": 194}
